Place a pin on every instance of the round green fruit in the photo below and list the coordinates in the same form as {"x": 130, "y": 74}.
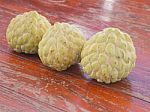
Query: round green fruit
{"x": 25, "y": 31}
{"x": 61, "y": 46}
{"x": 108, "y": 56}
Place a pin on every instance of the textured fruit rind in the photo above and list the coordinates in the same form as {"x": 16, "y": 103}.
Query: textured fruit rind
{"x": 61, "y": 46}
{"x": 108, "y": 56}
{"x": 25, "y": 31}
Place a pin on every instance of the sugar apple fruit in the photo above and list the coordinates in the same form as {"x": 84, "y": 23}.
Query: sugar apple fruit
{"x": 61, "y": 46}
{"x": 108, "y": 56}
{"x": 25, "y": 32}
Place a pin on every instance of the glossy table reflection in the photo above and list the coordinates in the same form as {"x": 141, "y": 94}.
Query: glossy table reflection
{"x": 28, "y": 86}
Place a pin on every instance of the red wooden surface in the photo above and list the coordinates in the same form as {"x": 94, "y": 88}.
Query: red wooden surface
{"x": 28, "y": 86}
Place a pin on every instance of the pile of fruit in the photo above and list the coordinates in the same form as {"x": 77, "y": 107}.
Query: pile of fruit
{"x": 108, "y": 56}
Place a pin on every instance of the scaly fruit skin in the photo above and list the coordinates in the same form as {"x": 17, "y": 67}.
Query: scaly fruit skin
{"x": 108, "y": 56}
{"x": 61, "y": 46}
{"x": 25, "y": 31}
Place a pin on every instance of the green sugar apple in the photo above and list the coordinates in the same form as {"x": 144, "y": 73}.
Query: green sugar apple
{"x": 61, "y": 46}
{"x": 25, "y": 31}
{"x": 108, "y": 56}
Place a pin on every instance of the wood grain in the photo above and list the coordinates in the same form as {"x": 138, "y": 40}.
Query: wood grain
{"x": 28, "y": 86}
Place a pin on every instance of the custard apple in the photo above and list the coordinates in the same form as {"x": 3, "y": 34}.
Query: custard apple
{"x": 108, "y": 56}
{"x": 25, "y": 31}
{"x": 61, "y": 46}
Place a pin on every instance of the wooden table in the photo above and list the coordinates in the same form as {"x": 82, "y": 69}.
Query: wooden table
{"x": 28, "y": 86}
